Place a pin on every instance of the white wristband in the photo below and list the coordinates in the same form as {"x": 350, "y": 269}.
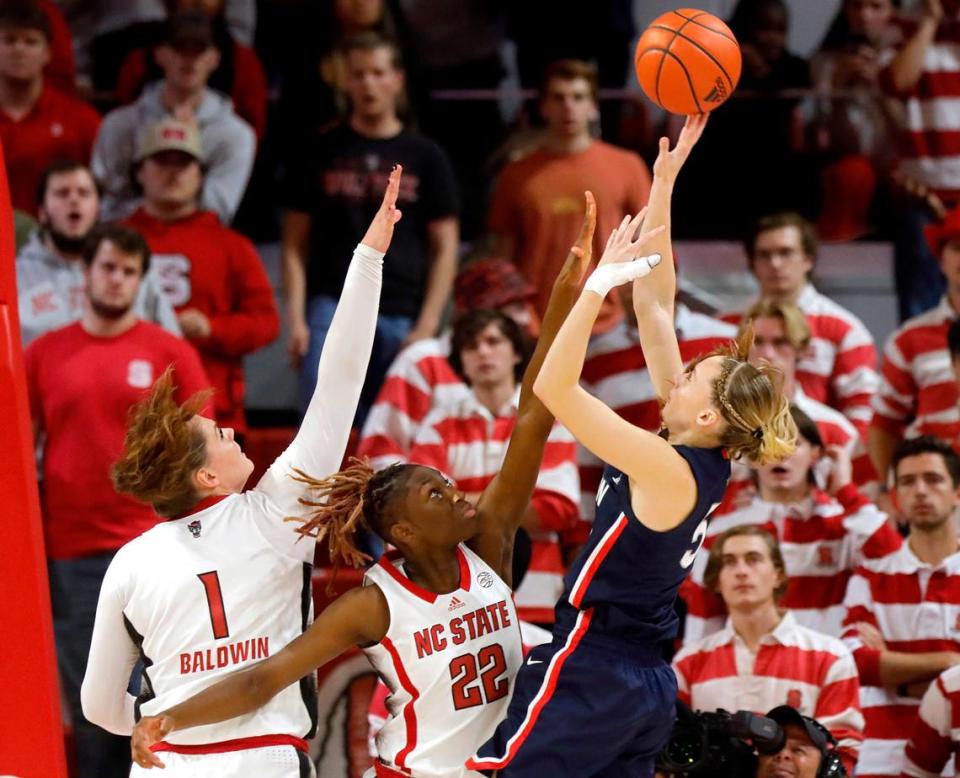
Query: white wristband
{"x": 368, "y": 253}
{"x": 606, "y": 277}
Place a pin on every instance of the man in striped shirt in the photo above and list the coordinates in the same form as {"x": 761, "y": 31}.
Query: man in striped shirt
{"x": 763, "y": 658}
{"x": 840, "y": 368}
{"x": 903, "y": 611}
{"x": 467, "y": 440}
{"x": 421, "y": 376}
{"x": 918, "y": 389}
{"x": 935, "y": 736}
{"x": 925, "y": 75}
{"x": 824, "y": 535}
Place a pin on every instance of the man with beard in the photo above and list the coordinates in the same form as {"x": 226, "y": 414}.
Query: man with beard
{"x": 82, "y": 380}
{"x": 50, "y": 277}
{"x": 902, "y": 610}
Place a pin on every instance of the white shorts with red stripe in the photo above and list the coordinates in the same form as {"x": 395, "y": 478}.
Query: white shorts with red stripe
{"x": 280, "y": 757}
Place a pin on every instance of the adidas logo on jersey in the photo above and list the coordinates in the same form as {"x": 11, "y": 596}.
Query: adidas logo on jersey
{"x": 718, "y": 94}
{"x": 455, "y": 602}
{"x": 194, "y": 527}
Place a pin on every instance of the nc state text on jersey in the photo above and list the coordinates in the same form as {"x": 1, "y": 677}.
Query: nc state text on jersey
{"x": 469, "y": 626}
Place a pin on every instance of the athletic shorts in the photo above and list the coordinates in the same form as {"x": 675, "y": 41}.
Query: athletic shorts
{"x": 600, "y": 707}
{"x": 264, "y": 762}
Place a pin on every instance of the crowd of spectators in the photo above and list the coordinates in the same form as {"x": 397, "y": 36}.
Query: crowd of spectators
{"x": 152, "y": 146}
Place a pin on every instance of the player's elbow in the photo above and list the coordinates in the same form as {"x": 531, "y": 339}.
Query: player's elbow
{"x": 96, "y": 712}
{"x": 542, "y": 389}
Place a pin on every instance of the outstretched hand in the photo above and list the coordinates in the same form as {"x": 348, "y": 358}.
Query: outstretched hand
{"x": 380, "y": 232}
{"x": 621, "y": 245}
{"x": 668, "y": 162}
{"x": 149, "y": 731}
{"x": 578, "y": 260}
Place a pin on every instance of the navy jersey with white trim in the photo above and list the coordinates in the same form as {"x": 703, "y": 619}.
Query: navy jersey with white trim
{"x": 628, "y": 573}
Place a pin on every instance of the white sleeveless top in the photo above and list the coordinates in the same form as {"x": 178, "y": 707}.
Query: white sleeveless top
{"x": 449, "y": 661}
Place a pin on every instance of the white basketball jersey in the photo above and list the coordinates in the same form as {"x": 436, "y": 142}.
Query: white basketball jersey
{"x": 205, "y": 595}
{"x": 449, "y": 661}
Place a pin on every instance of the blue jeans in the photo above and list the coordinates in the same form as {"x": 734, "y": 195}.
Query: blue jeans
{"x": 391, "y": 330}
{"x": 920, "y": 284}
{"x": 74, "y": 590}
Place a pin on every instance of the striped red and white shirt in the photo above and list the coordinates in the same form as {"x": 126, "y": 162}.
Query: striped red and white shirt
{"x": 930, "y": 141}
{"x": 841, "y": 368}
{"x": 822, "y": 539}
{"x": 468, "y": 443}
{"x": 793, "y": 665}
{"x": 419, "y": 379}
{"x": 916, "y": 608}
{"x": 616, "y": 373}
{"x": 935, "y": 736}
{"x": 918, "y": 390}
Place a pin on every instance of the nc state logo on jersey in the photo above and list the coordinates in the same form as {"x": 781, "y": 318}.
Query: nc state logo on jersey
{"x": 825, "y": 556}
{"x": 794, "y": 698}
{"x": 194, "y": 527}
{"x": 485, "y": 579}
{"x": 139, "y": 373}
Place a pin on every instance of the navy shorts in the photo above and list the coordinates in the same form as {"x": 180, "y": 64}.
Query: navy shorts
{"x": 590, "y": 708}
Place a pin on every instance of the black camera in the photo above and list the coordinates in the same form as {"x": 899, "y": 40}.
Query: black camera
{"x": 718, "y": 744}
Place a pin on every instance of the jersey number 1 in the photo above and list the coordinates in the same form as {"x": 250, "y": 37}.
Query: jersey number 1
{"x": 218, "y": 616}
{"x": 489, "y": 664}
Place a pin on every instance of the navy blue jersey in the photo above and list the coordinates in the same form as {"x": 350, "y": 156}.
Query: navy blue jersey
{"x": 629, "y": 574}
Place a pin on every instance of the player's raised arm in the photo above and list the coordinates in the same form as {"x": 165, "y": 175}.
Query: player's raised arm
{"x": 322, "y": 439}
{"x": 358, "y": 617}
{"x": 653, "y": 296}
{"x": 504, "y": 502}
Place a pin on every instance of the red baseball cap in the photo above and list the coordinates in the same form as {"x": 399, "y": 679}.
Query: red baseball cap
{"x": 490, "y": 283}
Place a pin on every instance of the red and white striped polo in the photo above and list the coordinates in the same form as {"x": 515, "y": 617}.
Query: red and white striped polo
{"x": 468, "y": 443}
{"x": 935, "y": 736}
{"x": 419, "y": 378}
{"x": 918, "y": 390}
{"x": 823, "y": 540}
{"x": 793, "y": 665}
{"x": 841, "y": 367}
{"x": 916, "y": 608}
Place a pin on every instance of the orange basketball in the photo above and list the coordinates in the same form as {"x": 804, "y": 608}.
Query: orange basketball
{"x": 688, "y": 61}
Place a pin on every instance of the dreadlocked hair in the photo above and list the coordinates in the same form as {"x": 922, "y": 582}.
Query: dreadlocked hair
{"x": 751, "y": 401}
{"x": 355, "y": 498}
{"x": 162, "y": 450}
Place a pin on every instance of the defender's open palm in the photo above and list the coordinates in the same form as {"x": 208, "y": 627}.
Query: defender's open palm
{"x": 380, "y": 232}
{"x": 625, "y": 244}
{"x": 669, "y": 161}
{"x": 149, "y": 731}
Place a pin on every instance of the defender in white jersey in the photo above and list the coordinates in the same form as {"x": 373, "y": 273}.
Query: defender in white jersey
{"x": 437, "y": 619}
{"x": 225, "y": 582}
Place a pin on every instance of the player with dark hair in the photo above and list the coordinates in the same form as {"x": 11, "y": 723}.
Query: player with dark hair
{"x": 436, "y": 619}
{"x": 603, "y": 680}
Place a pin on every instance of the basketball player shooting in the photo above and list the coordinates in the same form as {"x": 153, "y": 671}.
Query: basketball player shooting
{"x": 436, "y": 620}
{"x": 224, "y": 581}
{"x": 599, "y": 700}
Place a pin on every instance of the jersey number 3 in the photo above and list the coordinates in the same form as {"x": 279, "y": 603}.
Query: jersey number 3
{"x": 489, "y": 664}
{"x": 218, "y": 616}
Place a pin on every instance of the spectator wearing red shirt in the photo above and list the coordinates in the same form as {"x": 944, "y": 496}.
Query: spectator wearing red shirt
{"x": 82, "y": 380}
{"x": 763, "y": 657}
{"x": 935, "y": 738}
{"x": 210, "y": 273}
{"x": 38, "y": 123}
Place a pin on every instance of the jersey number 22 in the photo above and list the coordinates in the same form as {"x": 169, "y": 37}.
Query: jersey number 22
{"x": 489, "y": 664}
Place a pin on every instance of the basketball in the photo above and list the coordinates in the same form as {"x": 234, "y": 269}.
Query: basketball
{"x": 688, "y": 61}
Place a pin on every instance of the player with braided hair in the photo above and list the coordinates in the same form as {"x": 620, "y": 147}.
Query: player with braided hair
{"x": 436, "y": 618}
{"x": 225, "y": 581}
{"x": 603, "y": 680}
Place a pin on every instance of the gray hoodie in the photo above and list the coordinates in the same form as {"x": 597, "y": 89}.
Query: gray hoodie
{"x": 229, "y": 145}
{"x": 50, "y": 293}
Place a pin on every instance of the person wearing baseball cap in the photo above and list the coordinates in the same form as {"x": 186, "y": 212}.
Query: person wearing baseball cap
{"x": 170, "y": 135}
{"x": 494, "y": 282}
{"x": 809, "y": 750}
{"x": 188, "y": 57}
